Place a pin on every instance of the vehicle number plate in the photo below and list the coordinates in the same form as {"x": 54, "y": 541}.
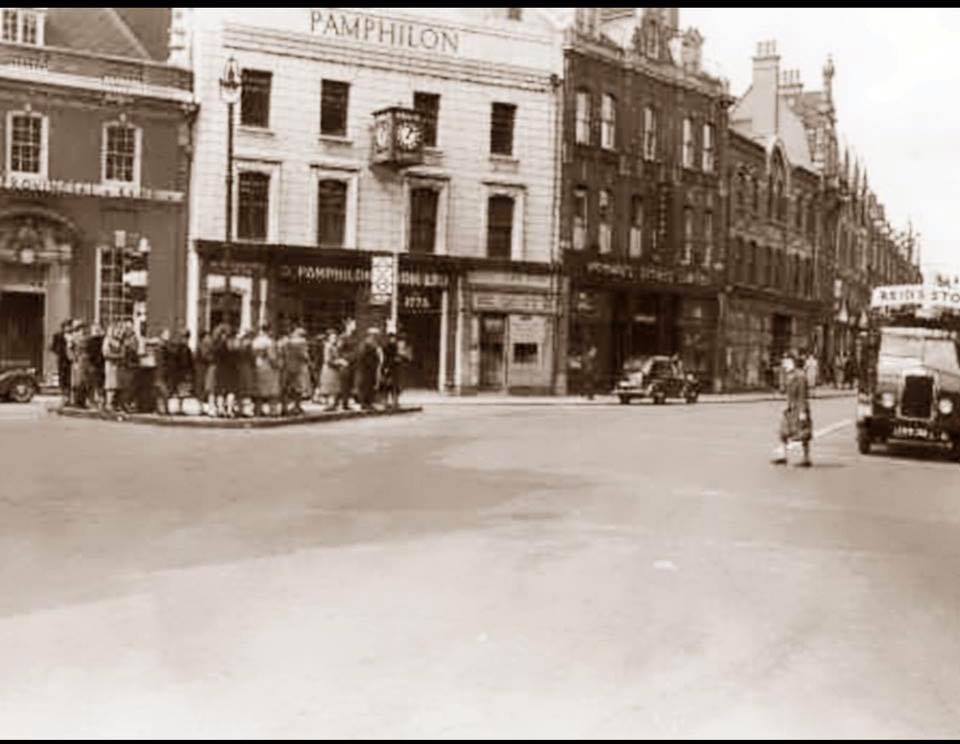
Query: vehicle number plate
{"x": 911, "y": 432}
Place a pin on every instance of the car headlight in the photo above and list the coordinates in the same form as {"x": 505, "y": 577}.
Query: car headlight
{"x": 945, "y": 406}
{"x": 887, "y": 400}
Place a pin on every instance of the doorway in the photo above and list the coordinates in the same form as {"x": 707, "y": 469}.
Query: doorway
{"x": 493, "y": 330}
{"x": 422, "y": 331}
{"x": 21, "y": 329}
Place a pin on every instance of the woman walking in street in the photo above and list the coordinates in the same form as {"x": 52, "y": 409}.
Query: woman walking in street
{"x": 330, "y": 371}
{"x": 796, "y": 423}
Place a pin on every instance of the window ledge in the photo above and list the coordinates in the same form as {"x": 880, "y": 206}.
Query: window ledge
{"x": 27, "y": 176}
{"x": 497, "y": 158}
{"x": 336, "y": 139}
{"x": 256, "y": 131}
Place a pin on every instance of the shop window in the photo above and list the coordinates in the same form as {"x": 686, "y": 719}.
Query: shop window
{"x": 428, "y": 106}
{"x": 689, "y": 148}
{"x": 28, "y": 150}
{"x": 650, "y": 125}
{"x": 579, "y": 219}
{"x": 121, "y": 281}
{"x": 253, "y": 205}
{"x": 121, "y": 158}
{"x": 526, "y": 353}
{"x": 687, "y": 256}
{"x": 502, "y": 117}
{"x": 255, "y": 98}
{"x": 226, "y": 307}
{"x": 583, "y": 117}
{"x": 334, "y": 101}
{"x": 707, "y": 238}
{"x": 331, "y": 213}
{"x": 423, "y": 220}
{"x": 707, "y": 154}
{"x": 608, "y": 122}
{"x": 605, "y": 232}
{"x": 636, "y": 227}
{"x": 499, "y": 226}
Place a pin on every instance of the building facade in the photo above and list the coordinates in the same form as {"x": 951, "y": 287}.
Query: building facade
{"x": 96, "y": 138}
{"x": 644, "y": 202}
{"x": 465, "y": 196}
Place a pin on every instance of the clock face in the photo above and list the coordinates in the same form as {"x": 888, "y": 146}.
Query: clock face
{"x": 408, "y": 136}
{"x": 383, "y": 134}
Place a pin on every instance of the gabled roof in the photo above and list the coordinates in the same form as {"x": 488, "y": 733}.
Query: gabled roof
{"x": 96, "y": 30}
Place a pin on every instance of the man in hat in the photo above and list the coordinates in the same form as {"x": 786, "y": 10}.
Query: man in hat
{"x": 58, "y": 346}
{"x": 796, "y": 423}
{"x": 368, "y": 368}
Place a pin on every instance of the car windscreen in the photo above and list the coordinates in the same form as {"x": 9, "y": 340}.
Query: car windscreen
{"x": 661, "y": 369}
{"x": 634, "y": 365}
{"x": 938, "y": 353}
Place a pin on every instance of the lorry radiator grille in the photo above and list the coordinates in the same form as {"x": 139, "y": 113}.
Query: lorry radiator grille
{"x": 917, "y": 400}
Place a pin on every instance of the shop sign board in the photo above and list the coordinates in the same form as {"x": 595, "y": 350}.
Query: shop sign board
{"x": 36, "y": 186}
{"x": 510, "y": 279}
{"x": 916, "y": 294}
{"x": 527, "y": 329}
{"x": 340, "y": 274}
{"x": 373, "y": 29}
{"x": 510, "y": 303}
{"x": 647, "y": 274}
{"x": 381, "y": 279}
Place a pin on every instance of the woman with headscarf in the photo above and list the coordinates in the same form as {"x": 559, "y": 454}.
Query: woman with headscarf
{"x": 267, "y": 372}
{"x": 796, "y": 423}
{"x": 296, "y": 372}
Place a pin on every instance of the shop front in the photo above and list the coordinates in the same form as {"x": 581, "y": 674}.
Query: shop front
{"x": 627, "y": 310}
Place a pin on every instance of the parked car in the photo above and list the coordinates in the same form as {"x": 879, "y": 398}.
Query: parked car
{"x": 657, "y": 378}
{"x": 18, "y": 381}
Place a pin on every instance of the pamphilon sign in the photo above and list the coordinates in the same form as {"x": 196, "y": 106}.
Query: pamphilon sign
{"x": 372, "y": 29}
{"x": 357, "y": 275}
{"x": 86, "y": 188}
{"x": 931, "y": 296}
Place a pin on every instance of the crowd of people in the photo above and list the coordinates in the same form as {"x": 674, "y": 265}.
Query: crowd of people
{"x": 231, "y": 374}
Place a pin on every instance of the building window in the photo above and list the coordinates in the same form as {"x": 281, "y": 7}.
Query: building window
{"x": 605, "y": 222}
{"x": 608, "y": 122}
{"x": 636, "y": 227}
{"x": 688, "y": 144}
{"x": 707, "y": 238}
{"x": 755, "y": 195}
{"x": 499, "y": 226}
{"x": 121, "y": 153}
{"x": 502, "y": 116}
{"x": 253, "y": 205}
{"x": 687, "y": 256}
{"x": 579, "y": 219}
{"x": 798, "y": 216}
{"x": 331, "y": 213}
{"x": 27, "y": 144}
{"x": 708, "y": 148}
{"x": 583, "y": 117}
{"x": 428, "y": 106}
{"x": 768, "y": 266}
{"x": 334, "y": 99}
{"x": 781, "y": 203}
{"x": 649, "y": 133}
{"x": 20, "y": 26}
{"x": 515, "y": 14}
{"x": 423, "y": 220}
{"x": 255, "y": 98}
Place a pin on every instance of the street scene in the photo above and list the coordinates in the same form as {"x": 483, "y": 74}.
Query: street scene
{"x": 478, "y": 373}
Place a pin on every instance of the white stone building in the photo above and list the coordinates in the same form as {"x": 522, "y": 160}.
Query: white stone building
{"x": 473, "y": 216}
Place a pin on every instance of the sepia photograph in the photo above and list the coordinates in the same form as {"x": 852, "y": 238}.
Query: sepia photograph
{"x": 479, "y": 373}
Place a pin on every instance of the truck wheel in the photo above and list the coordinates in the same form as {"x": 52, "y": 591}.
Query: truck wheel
{"x": 22, "y": 391}
{"x": 863, "y": 442}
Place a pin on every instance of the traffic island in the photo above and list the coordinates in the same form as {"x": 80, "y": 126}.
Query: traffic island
{"x": 206, "y": 422}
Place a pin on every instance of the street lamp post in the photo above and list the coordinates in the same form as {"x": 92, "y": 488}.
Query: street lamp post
{"x": 230, "y": 85}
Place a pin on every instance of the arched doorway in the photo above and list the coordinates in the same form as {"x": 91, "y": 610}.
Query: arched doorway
{"x": 36, "y": 247}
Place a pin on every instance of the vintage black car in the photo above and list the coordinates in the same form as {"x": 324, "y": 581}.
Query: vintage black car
{"x": 657, "y": 378}
{"x": 18, "y": 381}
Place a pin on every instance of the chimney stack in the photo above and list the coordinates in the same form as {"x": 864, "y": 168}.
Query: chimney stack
{"x": 766, "y": 89}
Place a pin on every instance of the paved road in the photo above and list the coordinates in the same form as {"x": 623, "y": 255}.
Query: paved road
{"x": 476, "y": 571}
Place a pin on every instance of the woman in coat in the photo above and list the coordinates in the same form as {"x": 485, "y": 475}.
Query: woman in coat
{"x": 796, "y": 424}
{"x": 266, "y": 372}
{"x": 224, "y": 370}
{"x": 203, "y": 373}
{"x": 330, "y": 371}
{"x": 346, "y": 351}
{"x": 296, "y": 371}
{"x": 112, "y": 359}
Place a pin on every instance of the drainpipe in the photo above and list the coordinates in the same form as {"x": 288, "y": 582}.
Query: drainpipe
{"x": 556, "y": 263}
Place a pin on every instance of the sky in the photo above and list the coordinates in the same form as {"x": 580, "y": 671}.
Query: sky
{"x": 895, "y": 92}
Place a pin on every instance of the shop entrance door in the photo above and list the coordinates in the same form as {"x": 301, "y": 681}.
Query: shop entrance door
{"x": 423, "y": 335}
{"x": 225, "y": 307}
{"x": 493, "y": 330}
{"x": 21, "y": 329}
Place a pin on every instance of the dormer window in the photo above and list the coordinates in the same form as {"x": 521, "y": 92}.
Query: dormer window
{"x": 21, "y": 26}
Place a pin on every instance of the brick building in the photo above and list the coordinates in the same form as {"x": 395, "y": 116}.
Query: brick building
{"x": 95, "y": 173}
{"x": 644, "y": 202}
{"x": 467, "y": 106}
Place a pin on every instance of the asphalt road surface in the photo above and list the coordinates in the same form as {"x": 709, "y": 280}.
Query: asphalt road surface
{"x": 474, "y": 571}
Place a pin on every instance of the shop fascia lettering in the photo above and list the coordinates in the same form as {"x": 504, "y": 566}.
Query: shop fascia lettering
{"x": 916, "y": 294}
{"x": 357, "y": 275}
{"x": 627, "y": 272}
{"x": 85, "y": 188}
{"x": 371, "y": 29}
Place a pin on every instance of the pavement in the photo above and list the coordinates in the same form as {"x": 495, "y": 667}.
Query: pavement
{"x": 476, "y": 571}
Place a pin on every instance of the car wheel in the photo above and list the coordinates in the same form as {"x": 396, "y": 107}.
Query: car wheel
{"x": 22, "y": 391}
{"x": 625, "y": 400}
{"x": 659, "y": 399}
{"x": 691, "y": 398}
{"x": 863, "y": 442}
